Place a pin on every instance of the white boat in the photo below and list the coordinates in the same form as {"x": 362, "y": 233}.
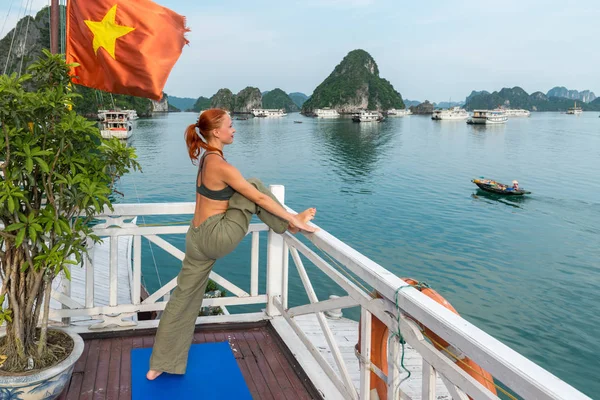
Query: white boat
{"x": 575, "y": 110}
{"x": 392, "y": 112}
{"x": 454, "y": 113}
{"x": 367, "y": 116}
{"x": 132, "y": 114}
{"x": 326, "y": 113}
{"x": 115, "y": 124}
{"x": 487, "y": 117}
{"x": 268, "y": 112}
{"x": 516, "y": 113}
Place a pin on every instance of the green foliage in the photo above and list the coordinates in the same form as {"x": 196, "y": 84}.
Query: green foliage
{"x": 354, "y": 78}
{"x": 201, "y": 104}
{"x": 57, "y": 175}
{"x": 90, "y": 101}
{"x": 298, "y": 98}
{"x": 224, "y": 99}
{"x": 277, "y": 98}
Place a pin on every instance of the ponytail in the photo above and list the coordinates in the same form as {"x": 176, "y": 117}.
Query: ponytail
{"x": 209, "y": 120}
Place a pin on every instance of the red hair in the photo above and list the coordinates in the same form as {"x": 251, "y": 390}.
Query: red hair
{"x": 207, "y": 122}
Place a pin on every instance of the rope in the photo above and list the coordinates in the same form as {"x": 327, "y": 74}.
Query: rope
{"x": 6, "y": 18}
{"x": 30, "y": 4}
{"x": 13, "y": 38}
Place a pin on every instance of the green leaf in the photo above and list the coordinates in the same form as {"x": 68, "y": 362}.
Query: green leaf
{"x": 43, "y": 165}
{"x": 11, "y": 204}
{"x": 14, "y": 227}
{"x": 32, "y": 234}
{"x": 67, "y": 272}
{"x": 20, "y": 237}
{"x": 24, "y": 266}
{"x": 29, "y": 164}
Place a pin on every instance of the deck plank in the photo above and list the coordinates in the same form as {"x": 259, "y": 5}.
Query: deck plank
{"x": 125, "y": 371}
{"x": 101, "y": 383}
{"x": 91, "y": 369}
{"x": 264, "y": 367}
{"x": 114, "y": 369}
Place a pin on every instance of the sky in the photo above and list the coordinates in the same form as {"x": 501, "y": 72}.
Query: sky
{"x": 435, "y": 50}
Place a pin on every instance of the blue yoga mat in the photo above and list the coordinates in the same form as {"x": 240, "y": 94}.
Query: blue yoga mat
{"x": 212, "y": 373}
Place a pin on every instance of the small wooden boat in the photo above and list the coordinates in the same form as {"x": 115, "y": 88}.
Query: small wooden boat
{"x": 297, "y": 122}
{"x": 492, "y": 186}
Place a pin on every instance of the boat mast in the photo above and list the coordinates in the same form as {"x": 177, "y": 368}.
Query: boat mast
{"x": 54, "y": 25}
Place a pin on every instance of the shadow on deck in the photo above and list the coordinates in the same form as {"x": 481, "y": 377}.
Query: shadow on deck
{"x": 268, "y": 367}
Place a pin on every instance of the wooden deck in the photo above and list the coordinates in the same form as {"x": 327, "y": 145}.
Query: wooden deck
{"x": 270, "y": 370}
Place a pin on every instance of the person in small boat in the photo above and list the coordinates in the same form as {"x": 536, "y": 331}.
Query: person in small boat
{"x": 225, "y": 203}
{"x": 515, "y": 185}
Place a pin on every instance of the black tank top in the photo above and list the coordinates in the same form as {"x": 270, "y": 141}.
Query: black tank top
{"x": 222, "y": 195}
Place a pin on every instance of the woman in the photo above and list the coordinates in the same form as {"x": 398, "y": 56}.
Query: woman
{"x": 225, "y": 203}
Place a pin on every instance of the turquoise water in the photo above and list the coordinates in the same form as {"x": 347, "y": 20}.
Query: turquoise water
{"x": 524, "y": 270}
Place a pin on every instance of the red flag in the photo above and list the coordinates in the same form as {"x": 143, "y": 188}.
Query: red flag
{"x": 123, "y": 46}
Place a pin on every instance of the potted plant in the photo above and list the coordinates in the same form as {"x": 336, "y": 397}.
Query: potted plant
{"x": 56, "y": 174}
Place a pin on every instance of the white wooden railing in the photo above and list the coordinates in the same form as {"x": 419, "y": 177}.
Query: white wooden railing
{"x": 522, "y": 376}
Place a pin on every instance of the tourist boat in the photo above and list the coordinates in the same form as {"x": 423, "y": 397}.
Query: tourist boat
{"x": 115, "y": 124}
{"x": 575, "y": 110}
{"x": 516, "y": 113}
{"x": 392, "y": 112}
{"x": 367, "y": 116}
{"x": 454, "y": 113}
{"x": 268, "y": 112}
{"x": 326, "y": 113}
{"x": 132, "y": 114}
{"x": 487, "y": 117}
{"x": 492, "y": 186}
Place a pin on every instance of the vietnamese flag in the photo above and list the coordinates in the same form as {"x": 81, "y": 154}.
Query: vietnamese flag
{"x": 123, "y": 46}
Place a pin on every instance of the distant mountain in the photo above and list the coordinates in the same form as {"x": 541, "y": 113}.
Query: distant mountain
{"x": 560, "y": 91}
{"x": 410, "y": 103}
{"x": 277, "y": 98}
{"x": 247, "y": 99}
{"x": 202, "y": 103}
{"x": 516, "y": 97}
{"x": 26, "y": 49}
{"x": 475, "y": 93}
{"x": 182, "y": 103}
{"x": 298, "y": 98}
{"x": 224, "y": 99}
{"x": 424, "y": 108}
{"x": 354, "y": 84}
{"x": 446, "y": 104}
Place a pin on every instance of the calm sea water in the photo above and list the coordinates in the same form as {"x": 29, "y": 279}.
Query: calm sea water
{"x": 525, "y": 270}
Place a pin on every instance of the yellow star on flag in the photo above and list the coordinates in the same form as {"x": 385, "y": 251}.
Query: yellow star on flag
{"x": 106, "y": 32}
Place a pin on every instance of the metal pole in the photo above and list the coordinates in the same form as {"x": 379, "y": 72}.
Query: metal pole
{"x": 54, "y": 26}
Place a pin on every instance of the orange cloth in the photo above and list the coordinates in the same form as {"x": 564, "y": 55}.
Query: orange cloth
{"x": 126, "y": 47}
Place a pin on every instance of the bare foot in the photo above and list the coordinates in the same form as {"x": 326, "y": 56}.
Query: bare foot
{"x": 152, "y": 374}
{"x": 303, "y": 217}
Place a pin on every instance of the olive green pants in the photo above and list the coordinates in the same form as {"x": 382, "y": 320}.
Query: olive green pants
{"x": 213, "y": 239}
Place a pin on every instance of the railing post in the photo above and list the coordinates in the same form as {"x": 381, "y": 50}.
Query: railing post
{"x": 276, "y": 252}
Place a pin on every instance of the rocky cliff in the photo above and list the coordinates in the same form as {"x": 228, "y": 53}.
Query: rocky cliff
{"x": 560, "y": 91}
{"x": 424, "y": 108}
{"x": 354, "y": 84}
{"x": 247, "y": 99}
{"x": 162, "y": 105}
{"x": 25, "y": 48}
{"x": 224, "y": 99}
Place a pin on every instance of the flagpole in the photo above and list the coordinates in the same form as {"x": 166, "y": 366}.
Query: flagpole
{"x": 54, "y": 25}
